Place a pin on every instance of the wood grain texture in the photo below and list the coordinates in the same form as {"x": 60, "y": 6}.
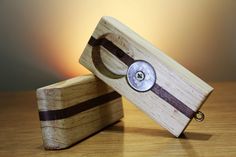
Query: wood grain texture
{"x": 171, "y": 76}
{"x": 75, "y": 109}
{"x": 136, "y": 135}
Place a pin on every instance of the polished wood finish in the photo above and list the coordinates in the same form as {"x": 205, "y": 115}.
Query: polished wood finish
{"x": 177, "y": 93}
{"x": 75, "y": 109}
{"x": 135, "y": 135}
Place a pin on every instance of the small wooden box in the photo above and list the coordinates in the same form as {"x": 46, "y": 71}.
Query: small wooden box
{"x": 166, "y": 91}
{"x": 74, "y": 109}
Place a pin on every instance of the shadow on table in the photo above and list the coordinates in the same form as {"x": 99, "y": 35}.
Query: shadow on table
{"x": 110, "y": 141}
{"x": 184, "y": 143}
{"x": 157, "y": 132}
{"x": 196, "y": 136}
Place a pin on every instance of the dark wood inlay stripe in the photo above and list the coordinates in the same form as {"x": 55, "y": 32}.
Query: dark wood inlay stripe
{"x": 116, "y": 51}
{"x": 158, "y": 90}
{"x": 78, "y": 108}
{"x": 169, "y": 98}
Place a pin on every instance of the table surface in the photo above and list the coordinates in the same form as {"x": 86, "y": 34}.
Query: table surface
{"x": 134, "y": 135}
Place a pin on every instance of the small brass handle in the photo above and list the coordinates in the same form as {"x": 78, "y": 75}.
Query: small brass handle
{"x": 199, "y": 116}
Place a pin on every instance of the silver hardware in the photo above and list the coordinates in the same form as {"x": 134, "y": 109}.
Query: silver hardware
{"x": 141, "y": 76}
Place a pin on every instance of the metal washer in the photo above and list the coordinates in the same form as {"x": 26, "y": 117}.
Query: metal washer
{"x": 141, "y": 76}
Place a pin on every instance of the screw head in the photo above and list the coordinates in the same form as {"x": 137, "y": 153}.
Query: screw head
{"x": 140, "y": 75}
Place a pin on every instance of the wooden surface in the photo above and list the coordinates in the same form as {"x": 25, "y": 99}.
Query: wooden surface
{"x": 177, "y": 93}
{"x": 76, "y": 108}
{"x": 135, "y": 135}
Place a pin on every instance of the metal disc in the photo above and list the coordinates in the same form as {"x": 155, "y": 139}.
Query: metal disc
{"x": 141, "y": 76}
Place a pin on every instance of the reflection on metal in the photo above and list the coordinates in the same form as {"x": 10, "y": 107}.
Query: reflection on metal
{"x": 141, "y": 76}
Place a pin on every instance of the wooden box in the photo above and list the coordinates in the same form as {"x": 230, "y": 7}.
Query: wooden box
{"x": 159, "y": 86}
{"x": 74, "y": 109}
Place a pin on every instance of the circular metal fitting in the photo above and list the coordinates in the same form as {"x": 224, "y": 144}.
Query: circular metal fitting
{"x": 199, "y": 116}
{"x": 141, "y": 76}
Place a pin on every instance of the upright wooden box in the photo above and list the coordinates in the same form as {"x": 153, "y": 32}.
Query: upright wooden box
{"x": 166, "y": 91}
{"x": 74, "y": 109}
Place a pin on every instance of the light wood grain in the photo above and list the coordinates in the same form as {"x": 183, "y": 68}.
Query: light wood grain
{"x": 171, "y": 76}
{"x": 136, "y": 135}
{"x": 62, "y": 133}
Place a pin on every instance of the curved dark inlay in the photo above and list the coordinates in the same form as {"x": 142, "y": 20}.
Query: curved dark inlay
{"x": 158, "y": 90}
{"x": 116, "y": 51}
{"x": 83, "y": 106}
{"x": 101, "y": 67}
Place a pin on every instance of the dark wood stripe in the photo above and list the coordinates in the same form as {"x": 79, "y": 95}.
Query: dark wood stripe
{"x": 83, "y": 106}
{"x": 158, "y": 90}
{"x": 116, "y": 51}
{"x": 165, "y": 95}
